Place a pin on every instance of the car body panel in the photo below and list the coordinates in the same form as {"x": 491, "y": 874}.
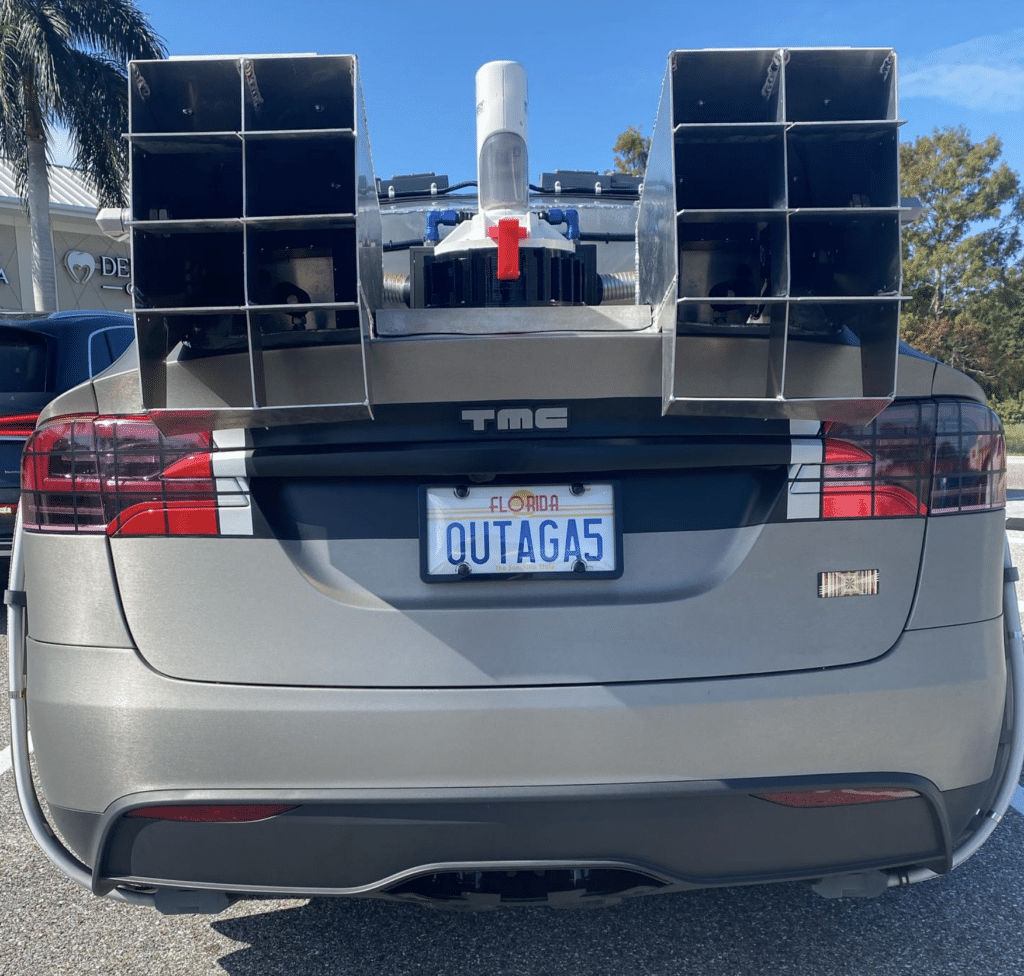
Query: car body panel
{"x": 961, "y": 570}
{"x": 359, "y": 614}
{"x": 118, "y": 390}
{"x": 79, "y": 604}
{"x": 105, "y": 725}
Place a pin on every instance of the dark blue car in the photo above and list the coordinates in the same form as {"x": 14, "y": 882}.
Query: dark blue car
{"x": 40, "y": 358}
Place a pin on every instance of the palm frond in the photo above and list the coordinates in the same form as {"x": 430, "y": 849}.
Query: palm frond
{"x": 116, "y": 29}
{"x": 65, "y": 61}
{"x": 100, "y": 152}
{"x": 39, "y": 36}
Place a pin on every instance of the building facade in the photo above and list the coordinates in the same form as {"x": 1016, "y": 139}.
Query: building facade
{"x": 93, "y": 272}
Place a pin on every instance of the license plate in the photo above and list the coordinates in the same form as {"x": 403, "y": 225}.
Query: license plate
{"x": 489, "y": 531}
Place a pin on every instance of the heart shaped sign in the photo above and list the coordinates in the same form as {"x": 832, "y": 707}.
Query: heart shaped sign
{"x": 81, "y": 266}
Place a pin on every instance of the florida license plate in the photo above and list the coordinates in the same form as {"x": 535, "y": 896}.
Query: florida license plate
{"x": 488, "y": 531}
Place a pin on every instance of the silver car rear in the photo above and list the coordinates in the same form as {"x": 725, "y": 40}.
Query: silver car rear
{"x": 346, "y": 586}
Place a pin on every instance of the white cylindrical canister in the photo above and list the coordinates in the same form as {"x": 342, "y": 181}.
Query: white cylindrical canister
{"x": 501, "y": 107}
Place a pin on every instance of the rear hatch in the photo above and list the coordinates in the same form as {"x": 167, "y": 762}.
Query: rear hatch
{"x": 718, "y": 542}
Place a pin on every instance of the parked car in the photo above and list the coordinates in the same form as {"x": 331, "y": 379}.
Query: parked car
{"x": 543, "y": 544}
{"x": 40, "y": 358}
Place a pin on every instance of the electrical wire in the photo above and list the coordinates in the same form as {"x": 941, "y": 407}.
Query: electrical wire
{"x": 384, "y": 195}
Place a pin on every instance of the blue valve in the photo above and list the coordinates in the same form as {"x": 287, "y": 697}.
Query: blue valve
{"x": 570, "y": 218}
{"x": 434, "y": 219}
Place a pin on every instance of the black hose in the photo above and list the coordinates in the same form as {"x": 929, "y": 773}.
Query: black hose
{"x": 606, "y": 238}
{"x": 587, "y": 191}
{"x": 383, "y": 194}
{"x": 402, "y": 245}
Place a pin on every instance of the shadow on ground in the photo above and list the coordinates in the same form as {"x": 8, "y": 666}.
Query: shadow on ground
{"x": 970, "y": 921}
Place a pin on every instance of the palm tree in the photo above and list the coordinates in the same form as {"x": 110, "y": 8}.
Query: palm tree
{"x": 64, "y": 62}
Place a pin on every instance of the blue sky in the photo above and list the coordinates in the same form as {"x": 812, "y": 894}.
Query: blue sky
{"x": 596, "y": 67}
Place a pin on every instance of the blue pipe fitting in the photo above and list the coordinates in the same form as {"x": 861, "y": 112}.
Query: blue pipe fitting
{"x": 571, "y": 218}
{"x": 434, "y": 219}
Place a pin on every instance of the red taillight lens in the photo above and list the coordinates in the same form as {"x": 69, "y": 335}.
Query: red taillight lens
{"x": 836, "y": 798}
{"x": 916, "y": 458}
{"x": 852, "y": 490}
{"x": 117, "y": 475}
{"x": 18, "y": 425}
{"x": 212, "y": 812}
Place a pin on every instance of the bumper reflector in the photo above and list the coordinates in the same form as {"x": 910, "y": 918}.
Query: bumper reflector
{"x": 836, "y": 798}
{"x": 212, "y": 812}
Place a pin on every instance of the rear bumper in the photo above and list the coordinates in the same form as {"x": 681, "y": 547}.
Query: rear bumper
{"x": 110, "y": 733}
{"x": 636, "y": 838}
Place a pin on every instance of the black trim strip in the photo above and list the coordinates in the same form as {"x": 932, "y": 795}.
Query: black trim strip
{"x": 515, "y": 457}
{"x": 648, "y": 501}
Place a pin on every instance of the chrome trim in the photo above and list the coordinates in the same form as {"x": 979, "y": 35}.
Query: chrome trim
{"x": 422, "y": 870}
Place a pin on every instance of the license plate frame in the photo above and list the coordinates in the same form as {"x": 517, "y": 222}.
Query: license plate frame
{"x": 594, "y": 505}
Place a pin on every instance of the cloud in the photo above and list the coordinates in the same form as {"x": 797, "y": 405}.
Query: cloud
{"x": 984, "y": 73}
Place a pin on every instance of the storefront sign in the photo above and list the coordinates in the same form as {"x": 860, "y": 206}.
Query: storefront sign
{"x": 81, "y": 266}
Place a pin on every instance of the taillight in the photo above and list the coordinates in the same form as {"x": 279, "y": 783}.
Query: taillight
{"x": 916, "y": 458}
{"x": 18, "y": 425}
{"x": 118, "y": 475}
{"x": 211, "y": 812}
{"x": 970, "y": 459}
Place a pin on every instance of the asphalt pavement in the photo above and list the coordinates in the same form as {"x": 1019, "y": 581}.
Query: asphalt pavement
{"x": 971, "y": 921}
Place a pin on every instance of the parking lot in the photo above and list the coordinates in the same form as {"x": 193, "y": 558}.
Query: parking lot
{"x": 971, "y": 921}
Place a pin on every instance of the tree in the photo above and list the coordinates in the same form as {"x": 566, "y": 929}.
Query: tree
{"x": 631, "y": 150}
{"x": 64, "y": 62}
{"x": 961, "y": 261}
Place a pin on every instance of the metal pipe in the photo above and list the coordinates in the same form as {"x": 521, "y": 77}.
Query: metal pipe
{"x": 618, "y": 286}
{"x": 1011, "y": 775}
{"x": 396, "y": 288}
{"x": 21, "y": 764}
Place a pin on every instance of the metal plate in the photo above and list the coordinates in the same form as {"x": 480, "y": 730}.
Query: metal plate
{"x": 510, "y": 531}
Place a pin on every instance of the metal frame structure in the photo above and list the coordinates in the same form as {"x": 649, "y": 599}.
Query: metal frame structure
{"x": 782, "y": 163}
{"x": 243, "y": 171}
